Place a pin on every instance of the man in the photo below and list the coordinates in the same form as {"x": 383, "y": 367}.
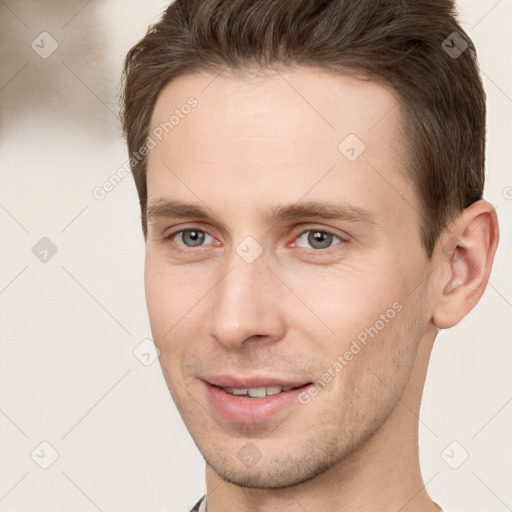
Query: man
{"x": 310, "y": 176}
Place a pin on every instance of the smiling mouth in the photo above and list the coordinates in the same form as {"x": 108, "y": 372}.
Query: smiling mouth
{"x": 259, "y": 392}
{"x": 252, "y": 405}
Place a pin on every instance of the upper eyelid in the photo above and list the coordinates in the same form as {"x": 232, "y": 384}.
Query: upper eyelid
{"x": 300, "y": 231}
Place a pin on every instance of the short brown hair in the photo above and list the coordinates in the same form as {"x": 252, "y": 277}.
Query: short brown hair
{"x": 404, "y": 44}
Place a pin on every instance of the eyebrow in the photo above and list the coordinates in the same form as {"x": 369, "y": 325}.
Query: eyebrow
{"x": 163, "y": 209}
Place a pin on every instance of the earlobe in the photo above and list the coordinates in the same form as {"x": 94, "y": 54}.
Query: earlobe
{"x": 466, "y": 260}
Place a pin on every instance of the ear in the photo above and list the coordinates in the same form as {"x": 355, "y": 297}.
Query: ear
{"x": 466, "y": 253}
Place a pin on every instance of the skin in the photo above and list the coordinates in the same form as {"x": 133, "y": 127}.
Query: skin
{"x": 254, "y": 142}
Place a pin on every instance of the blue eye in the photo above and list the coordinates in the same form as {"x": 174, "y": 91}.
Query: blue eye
{"x": 319, "y": 239}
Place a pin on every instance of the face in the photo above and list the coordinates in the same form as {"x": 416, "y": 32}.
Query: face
{"x": 281, "y": 252}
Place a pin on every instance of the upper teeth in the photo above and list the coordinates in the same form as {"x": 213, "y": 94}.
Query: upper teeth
{"x": 258, "y": 392}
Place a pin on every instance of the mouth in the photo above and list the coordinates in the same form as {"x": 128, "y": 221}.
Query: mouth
{"x": 253, "y": 404}
{"x": 259, "y": 392}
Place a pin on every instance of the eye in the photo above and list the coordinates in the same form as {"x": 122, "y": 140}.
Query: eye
{"x": 190, "y": 237}
{"x": 312, "y": 239}
{"x": 318, "y": 239}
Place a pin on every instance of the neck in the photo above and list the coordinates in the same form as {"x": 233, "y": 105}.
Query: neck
{"x": 382, "y": 474}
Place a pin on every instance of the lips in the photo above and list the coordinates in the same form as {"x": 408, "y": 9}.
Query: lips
{"x": 257, "y": 392}
{"x": 228, "y": 381}
{"x": 252, "y": 399}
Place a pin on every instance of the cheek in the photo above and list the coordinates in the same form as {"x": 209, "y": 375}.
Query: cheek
{"x": 372, "y": 368}
{"x": 176, "y": 302}
{"x": 347, "y": 301}
{"x": 171, "y": 296}
{"x": 371, "y": 334}
{"x": 159, "y": 299}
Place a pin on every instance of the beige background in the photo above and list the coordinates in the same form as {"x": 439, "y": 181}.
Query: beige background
{"x": 69, "y": 326}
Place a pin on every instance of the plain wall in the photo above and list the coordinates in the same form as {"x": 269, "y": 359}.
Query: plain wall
{"x": 69, "y": 325}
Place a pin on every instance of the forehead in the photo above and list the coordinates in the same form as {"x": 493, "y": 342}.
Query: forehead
{"x": 277, "y": 132}
{"x": 306, "y": 102}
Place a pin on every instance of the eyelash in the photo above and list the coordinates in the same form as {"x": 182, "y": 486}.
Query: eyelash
{"x": 184, "y": 248}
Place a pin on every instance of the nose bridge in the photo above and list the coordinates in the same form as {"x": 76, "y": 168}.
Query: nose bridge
{"x": 245, "y": 299}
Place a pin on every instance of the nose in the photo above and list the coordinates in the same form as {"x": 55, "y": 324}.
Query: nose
{"x": 246, "y": 305}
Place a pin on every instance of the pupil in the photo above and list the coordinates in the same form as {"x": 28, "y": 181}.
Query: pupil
{"x": 196, "y": 237}
{"x": 318, "y": 237}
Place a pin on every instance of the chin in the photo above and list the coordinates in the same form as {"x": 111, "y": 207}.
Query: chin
{"x": 280, "y": 472}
